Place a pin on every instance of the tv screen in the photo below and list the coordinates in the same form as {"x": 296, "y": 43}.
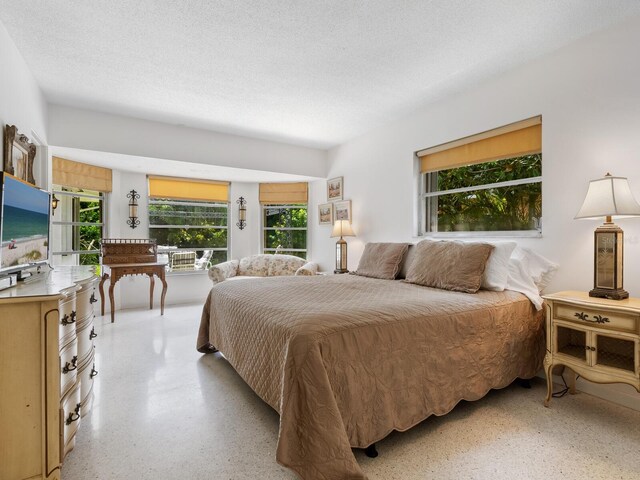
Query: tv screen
{"x": 24, "y": 224}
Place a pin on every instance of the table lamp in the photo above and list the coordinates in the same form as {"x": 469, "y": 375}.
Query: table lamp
{"x": 341, "y": 228}
{"x": 608, "y": 197}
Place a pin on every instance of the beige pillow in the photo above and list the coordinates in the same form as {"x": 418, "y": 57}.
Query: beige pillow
{"x": 449, "y": 265}
{"x": 381, "y": 260}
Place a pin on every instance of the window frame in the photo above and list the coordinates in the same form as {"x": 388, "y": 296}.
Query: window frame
{"x": 424, "y": 216}
{"x": 102, "y": 197}
{"x": 264, "y": 228}
{"x": 200, "y": 203}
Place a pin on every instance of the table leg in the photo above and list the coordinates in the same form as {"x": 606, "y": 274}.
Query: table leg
{"x": 102, "y": 280}
{"x": 548, "y": 370}
{"x": 571, "y": 382}
{"x": 152, "y": 283}
{"x": 112, "y": 303}
{"x": 164, "y": 291}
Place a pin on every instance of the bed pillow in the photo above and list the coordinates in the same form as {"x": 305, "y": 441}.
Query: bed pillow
{"x": 381, "y": 260}
{"x": 309, "y": 268}
{"x": 224, "y": 270}
{"x": 540, "y": 268}
{"x": 449, "y": 265}
{"x": 406, "y": 261}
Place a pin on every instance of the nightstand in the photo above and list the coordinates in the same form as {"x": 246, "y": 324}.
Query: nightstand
{"x": 596, "y": 338}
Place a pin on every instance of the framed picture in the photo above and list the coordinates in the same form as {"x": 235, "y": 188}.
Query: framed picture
{"x": 334, "y": 189}
{"x": 19, "y": 154}
{"x": 343, "y": 210}
{"x": 325, "y": 214}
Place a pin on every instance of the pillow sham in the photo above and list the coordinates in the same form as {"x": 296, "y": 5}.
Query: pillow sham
{"x": 381, "y": 260}
{"x": 449, "y": 265}
{"x": 496, "y": 273}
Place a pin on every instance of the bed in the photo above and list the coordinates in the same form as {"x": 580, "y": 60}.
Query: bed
{"x": 346, "y": 359}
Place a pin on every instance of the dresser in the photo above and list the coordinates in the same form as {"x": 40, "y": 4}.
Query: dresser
{"x": 47, "y": 369}
{"x": 597, "y": 338}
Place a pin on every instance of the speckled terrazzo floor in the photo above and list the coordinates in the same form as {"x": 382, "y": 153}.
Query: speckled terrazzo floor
{"x": 164, "y": 411}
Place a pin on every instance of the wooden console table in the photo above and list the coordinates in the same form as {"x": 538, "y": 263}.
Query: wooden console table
{"x": 117, "y": 271}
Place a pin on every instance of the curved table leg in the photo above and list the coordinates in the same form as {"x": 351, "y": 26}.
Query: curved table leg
{"x": 152, "y": 283}
{"x": 164, "y": 291}
{"x": 111, "y": 302}
{"x": 548, "y": 370}
{"x": 101, "y": 287}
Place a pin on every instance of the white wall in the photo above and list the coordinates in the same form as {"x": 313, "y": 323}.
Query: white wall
{"x": 587, "y": 94}
{"x": 21, "y": 101}
{"x": 88, "y": 130}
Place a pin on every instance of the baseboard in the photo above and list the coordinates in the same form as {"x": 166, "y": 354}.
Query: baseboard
{"x": 617, "y": 393}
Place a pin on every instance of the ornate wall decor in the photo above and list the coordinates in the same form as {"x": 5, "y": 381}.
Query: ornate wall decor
{"x": 19, "y": 154}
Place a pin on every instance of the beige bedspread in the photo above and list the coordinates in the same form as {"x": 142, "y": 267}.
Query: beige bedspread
{"x": 346, "y": 359}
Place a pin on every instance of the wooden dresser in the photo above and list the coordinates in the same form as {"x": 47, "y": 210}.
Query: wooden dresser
{"x": 47, "y": 369}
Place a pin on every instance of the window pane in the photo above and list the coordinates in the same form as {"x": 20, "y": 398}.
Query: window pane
{"x": 490, "y": 172}
{"x": 498, "y": 209}
{"x": 285, "y": 217}
{"x": 285, "y": 239}
{"x": 190, "y": 237}
{"x": 184, "y": 213}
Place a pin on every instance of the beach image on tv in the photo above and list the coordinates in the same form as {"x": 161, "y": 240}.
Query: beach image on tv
{"x": 25, "y": 224}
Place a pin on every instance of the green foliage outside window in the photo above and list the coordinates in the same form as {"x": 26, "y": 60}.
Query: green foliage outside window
{"x": 89, "y": 236}
{"x": 277, "y": 234}
{"x": 503, "y": 208}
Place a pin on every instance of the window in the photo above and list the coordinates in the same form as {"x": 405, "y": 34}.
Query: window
{"x": 284, "y": 229}
{"x": 189, "y": 221}
{"x": 284, "y": 218}
{"x": 77, "y": 226}
{"x": 490, "y": 182}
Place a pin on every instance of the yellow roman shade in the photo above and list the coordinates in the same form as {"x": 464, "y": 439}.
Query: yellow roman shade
{"x": 188, "y": 189}
{"x": 80, "y": 175}
{"x": 284, "y": 193}
{"x": 516, "y": 139}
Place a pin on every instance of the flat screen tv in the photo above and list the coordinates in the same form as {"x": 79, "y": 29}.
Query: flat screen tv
{"x": 24, "y": 224}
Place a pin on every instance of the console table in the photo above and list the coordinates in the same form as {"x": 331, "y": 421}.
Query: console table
{"x": 117, "y": 271}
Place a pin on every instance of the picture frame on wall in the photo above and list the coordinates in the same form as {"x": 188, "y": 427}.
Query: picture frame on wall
{"x": 19, "y": 154}
{"x": 342, "y": 210}
{"x": 325, "y": 214}
{"x": 335, "y": 190}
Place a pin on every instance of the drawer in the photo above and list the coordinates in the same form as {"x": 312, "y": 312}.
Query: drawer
{"x": 85, "y": 335}
{"x": 602, "y": 318}
{"x": 67, "y": 318}
{"x": 87, "y": 373}
{"x": 68, "y": 366}
{"x": 70, "y": 413}
{"x": 85, "y": 299}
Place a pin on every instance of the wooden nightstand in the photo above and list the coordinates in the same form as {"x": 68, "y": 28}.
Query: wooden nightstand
{"x": 596, "y": 338}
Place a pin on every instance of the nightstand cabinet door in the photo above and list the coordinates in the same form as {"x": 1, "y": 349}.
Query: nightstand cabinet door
{"x": 615, "y": 352}
{"x": 571, "y": 343}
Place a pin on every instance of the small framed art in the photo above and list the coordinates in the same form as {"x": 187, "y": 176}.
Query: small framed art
{"x": 335, "y": 189}
{"x": 325, "y": 214}
{"x": 343, "y": 210}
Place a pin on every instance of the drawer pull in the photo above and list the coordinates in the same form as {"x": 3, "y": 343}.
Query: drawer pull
{"x": 596, "y": 318}
{"x": 68, "y": 319}
{"x": 94, "y": 372}
{"x": 93, "y": 334}
{"x": 70, "y": 366}
{"x": 93, "y": 298}
{"x": 74, "y": 416}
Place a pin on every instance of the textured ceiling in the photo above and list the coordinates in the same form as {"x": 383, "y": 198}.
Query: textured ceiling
{"x": 308, "y": 72}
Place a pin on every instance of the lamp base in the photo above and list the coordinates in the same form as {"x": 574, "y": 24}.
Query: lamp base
{"x": 618, "y": 294}
{"x": 340, "y": 271}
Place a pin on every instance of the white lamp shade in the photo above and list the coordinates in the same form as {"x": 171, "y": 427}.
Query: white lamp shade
{"x": 342, "y": 228}
{"x": 609, "y": 196}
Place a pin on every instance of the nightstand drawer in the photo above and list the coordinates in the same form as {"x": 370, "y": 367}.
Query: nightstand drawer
{"x": 602, "y": 318}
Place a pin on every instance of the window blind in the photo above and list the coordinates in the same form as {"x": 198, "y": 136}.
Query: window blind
{"x": 513, "y": 140}
{"x": 284, "y": 193}
{"x": 188, "y": 189}
{"x": 80, "y": 175}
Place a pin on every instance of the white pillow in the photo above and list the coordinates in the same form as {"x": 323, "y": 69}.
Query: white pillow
{"x": 539, "y": 268}
{"x": 520, "y": 281}
{"x": 496, "y": 272}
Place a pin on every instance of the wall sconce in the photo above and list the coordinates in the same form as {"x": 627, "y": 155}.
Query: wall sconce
{"x": 242, "y": 213}
{"x": 54, "y": 204}
{"x": 133, "y": 197}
